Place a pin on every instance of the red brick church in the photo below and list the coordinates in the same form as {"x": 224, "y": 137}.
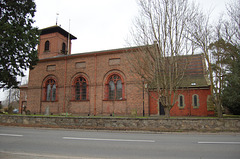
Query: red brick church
{"x": 101, "y": 83}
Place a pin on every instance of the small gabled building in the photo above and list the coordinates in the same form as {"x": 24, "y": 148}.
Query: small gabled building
{"x": 194, "y": 94}
{"x": 101, "y": 82}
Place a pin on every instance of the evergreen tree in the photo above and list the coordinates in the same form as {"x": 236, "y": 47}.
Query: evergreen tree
{"x": 231, "y": 92}
{"x": 226, "y": 69}
{"x": 18, "y": 40}
{"x": 231, "y": 34}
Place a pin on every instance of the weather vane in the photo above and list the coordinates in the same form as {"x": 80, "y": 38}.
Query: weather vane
{"x": 57, "y": 18}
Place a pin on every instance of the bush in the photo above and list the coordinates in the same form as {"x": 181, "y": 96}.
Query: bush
{"x": 10, "y": 110}
{"x": 28, "y": 112}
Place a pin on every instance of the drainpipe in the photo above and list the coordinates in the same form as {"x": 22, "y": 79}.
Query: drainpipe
{"x": 65, "y": 80}
{"x": 40, "y": 111}
{"x": 95, "y": 86}
{"x": 65, "y": 74}
{"x": 189, "y": 99}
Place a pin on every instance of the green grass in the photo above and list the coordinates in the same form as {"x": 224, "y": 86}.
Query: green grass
{"x": 137, "y": 117}
{"x": 193, "y": 117}
{"x": 231, "y": 116}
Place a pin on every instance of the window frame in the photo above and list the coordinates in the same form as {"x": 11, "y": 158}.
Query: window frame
{"x": 64, "y": 51}
{"x": 74, "y": 85}
{"x": 181, "y": 105}
{"x": 195, "y": 101}
{"x": 50, "y": 90}
{"x": 47, "y": 46}
{"x": 117, "y": 90}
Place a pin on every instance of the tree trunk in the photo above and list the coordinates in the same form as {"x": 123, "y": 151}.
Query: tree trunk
{"x": 167, "y": 112}
{"x": 219, "y": 109}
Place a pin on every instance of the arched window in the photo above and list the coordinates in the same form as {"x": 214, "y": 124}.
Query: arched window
{"x": 181, "y": 102}
{"x": 195, "y": 101}
{"x": 50, "y": 89}
{"x": 80, "y": 89}
{"x": 115, "y": 88}
{"x": 111, "y": 90}
{"x": 63, "y": 48}
{"x": 46, "y": 46}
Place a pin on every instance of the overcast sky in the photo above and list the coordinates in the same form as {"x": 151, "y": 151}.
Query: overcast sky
{"x": 98, "y": 24}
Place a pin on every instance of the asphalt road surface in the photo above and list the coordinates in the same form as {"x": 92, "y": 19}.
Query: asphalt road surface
{"x": 37, "y": 143}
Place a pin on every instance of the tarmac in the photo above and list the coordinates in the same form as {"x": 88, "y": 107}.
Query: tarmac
{"x": 13, "y": 155}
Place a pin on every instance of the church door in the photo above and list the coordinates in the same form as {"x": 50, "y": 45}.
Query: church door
{"x": 161, "y": 109}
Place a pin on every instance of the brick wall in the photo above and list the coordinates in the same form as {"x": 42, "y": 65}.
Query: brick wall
{"x": 188, "y": 109}
{"x": 96, "y": 69}
{"x": 55, "y": 39}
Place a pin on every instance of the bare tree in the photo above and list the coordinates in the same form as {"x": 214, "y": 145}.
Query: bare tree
{"x": 13, "y": 96}
{"x": 208, "y": 39}
{"x": 202, "y": 33}
{"x": 161, "y": 32}
{"x": 231, "y": 30}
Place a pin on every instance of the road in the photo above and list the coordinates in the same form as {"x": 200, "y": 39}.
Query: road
{"x": 39, "y": 143}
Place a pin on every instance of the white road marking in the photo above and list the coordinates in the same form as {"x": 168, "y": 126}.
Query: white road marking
{"x": 218, "y": 142}
{"x": 12, "y": 135}
{"x": 97, "y": 139}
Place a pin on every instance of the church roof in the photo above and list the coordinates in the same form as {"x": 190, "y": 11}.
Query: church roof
{"x": 196, "y": 73}
{"x": 58, "y": 29}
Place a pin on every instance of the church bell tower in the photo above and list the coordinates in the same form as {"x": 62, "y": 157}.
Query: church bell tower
{"x": 54, "y": 41}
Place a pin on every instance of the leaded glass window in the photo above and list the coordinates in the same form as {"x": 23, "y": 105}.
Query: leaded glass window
{"x": 51, "y": 90}
{"x": 80, "y": 89}
{"x": 115, "y": 88}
